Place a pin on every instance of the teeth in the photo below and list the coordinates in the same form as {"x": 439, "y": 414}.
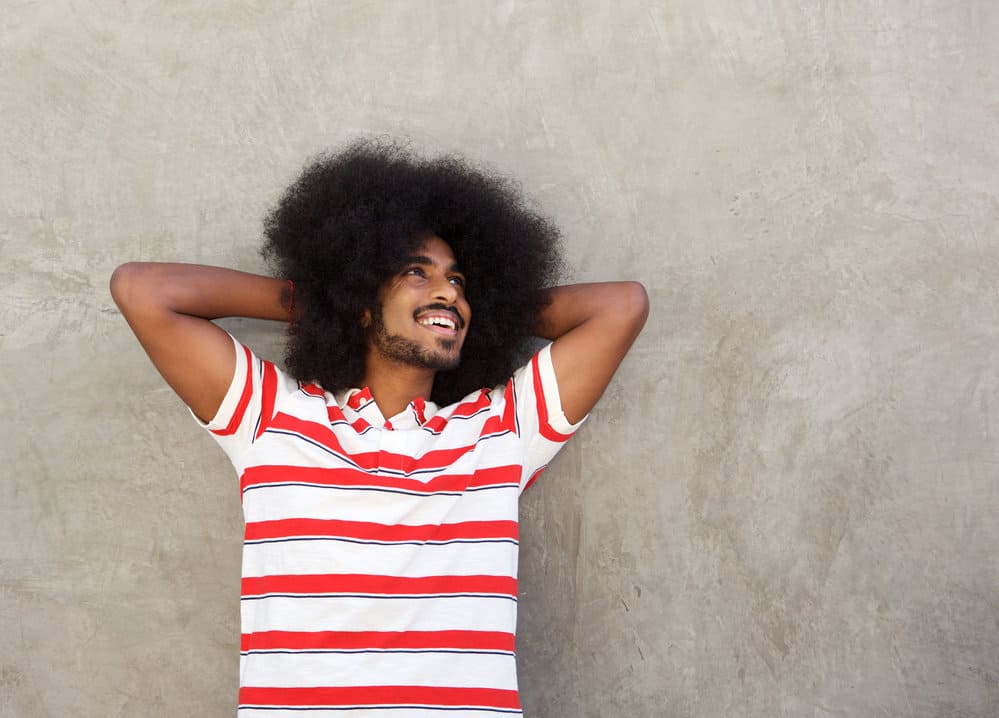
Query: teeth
{"x": 439, "y": 321}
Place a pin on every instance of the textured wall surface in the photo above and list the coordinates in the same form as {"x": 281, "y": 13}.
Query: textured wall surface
{"x": 786, "y": 503}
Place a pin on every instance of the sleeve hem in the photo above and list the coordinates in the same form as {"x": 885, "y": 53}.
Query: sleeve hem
{"x": 230, "y": 412}
{"x": 549, "y": 400}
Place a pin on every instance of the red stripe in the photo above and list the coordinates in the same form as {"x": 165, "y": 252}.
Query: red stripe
{"x": 371, "y": 460}
{"x": 436, "y": 424}
{"x": 313, "y": 390}
{"x": 257, "y": 476}
{"x": 510, "y": 407}
{"x": 504, "y": 423}
{"x": 545, "y": 426}
{"x": 420, "y": 407}
{"x": 244, "y": 399}
{"x": 363, "y": 530}
{"x": 361, "y": 397}
{"x": 379, "y": 696}
{"x": 468, "y": 408}
{"x": 334, "y": 413}
{"x": 373, "y": 584}
{"x": 360, "y": 426}
{"x": 268, "y": 395}
{"x": 380, "y": 640}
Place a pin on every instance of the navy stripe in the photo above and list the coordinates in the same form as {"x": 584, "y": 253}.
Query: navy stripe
{"x": 465, "y": 417}
{"x": 516, "y": 412}
{"x": 260, "y": 414}
{"x": 483, "y": 437}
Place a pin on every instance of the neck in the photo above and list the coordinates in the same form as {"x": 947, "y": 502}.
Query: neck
{"x": 394, "y": 385}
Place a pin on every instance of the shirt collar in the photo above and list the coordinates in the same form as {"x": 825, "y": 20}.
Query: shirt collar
{"x": 363, "y": 406}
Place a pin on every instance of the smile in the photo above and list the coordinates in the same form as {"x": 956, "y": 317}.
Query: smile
{"x": 443, "y": 322}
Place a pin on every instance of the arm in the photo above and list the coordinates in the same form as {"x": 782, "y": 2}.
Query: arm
{"x": 591, "y": 326}
{"x": 169, "y": 308}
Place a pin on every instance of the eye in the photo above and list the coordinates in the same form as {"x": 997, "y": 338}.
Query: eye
{"x": 414, "y": 271}
{"x": 457, "y": 281}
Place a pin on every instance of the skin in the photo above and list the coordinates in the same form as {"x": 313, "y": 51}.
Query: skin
{"x": 170, "y": 307}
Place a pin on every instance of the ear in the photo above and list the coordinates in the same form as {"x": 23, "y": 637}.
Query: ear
{"x": 366, "y": 319}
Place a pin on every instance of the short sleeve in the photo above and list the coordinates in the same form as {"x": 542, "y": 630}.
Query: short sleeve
{"x": 248, "y": 404}
{"x": 540, "y": 418}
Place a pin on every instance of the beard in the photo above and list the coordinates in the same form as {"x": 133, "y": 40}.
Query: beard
{"x": 406, "y": 351}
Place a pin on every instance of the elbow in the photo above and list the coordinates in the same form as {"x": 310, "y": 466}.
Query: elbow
{"x": 120, "y": 280}
{"x": 125, "y": 280}
{"x": 635, "y": 303}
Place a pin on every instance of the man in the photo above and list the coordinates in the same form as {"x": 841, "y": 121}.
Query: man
{"x": 380, "y": 475}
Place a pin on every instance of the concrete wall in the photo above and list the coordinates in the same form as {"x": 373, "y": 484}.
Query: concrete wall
{"x": 785, "y": 504}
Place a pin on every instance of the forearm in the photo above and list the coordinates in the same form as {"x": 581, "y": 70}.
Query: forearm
{"x": 591, "y": 327}
{"x": 199, "y": 291}
{"x": 169, "y": 308}
{"x": 622, "y": 304}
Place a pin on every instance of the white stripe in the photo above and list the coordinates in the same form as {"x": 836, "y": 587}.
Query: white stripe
{"x": 287, "y": 502}
{"x": 357, "y": 669}
{"x": 321, "y": 556}
{"x": 362, "y": 614}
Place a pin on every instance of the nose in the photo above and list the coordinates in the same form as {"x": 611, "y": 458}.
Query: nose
{"x": 445, "y": 291}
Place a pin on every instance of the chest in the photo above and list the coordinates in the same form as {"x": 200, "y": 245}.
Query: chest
{"x": 469, "y": 469}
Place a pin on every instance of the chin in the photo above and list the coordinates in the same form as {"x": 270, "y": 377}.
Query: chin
{"x": 445, "y": 362}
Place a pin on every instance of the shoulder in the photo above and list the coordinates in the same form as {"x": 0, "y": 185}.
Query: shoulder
{"x": 259, "y": 387}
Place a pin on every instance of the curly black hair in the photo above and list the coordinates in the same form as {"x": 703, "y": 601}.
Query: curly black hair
{"x": 352, "y": 219}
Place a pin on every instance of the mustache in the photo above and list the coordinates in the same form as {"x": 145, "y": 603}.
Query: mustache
{"x": 459, "y": 320}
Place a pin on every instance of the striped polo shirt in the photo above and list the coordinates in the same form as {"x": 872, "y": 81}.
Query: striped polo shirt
{"x": 380, "y": 556}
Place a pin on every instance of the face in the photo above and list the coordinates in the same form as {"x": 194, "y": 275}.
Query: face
{"x": 423, "y": 316}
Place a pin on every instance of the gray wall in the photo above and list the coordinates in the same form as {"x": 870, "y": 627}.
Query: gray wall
{"x": 785, "y": 504}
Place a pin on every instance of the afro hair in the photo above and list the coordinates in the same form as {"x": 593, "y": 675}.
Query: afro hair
{"x": 351, "y": 220}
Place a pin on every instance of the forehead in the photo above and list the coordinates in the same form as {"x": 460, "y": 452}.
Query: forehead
{"x": 437, "y": 251}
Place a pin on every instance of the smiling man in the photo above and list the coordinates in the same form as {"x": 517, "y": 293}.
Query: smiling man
{"x": 380, "y": 472}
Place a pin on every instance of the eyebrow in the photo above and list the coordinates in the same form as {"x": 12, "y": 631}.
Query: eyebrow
{"x": 424, "y": 260}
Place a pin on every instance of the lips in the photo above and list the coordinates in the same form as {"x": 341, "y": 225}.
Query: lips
{"x": 440, "y": 320}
